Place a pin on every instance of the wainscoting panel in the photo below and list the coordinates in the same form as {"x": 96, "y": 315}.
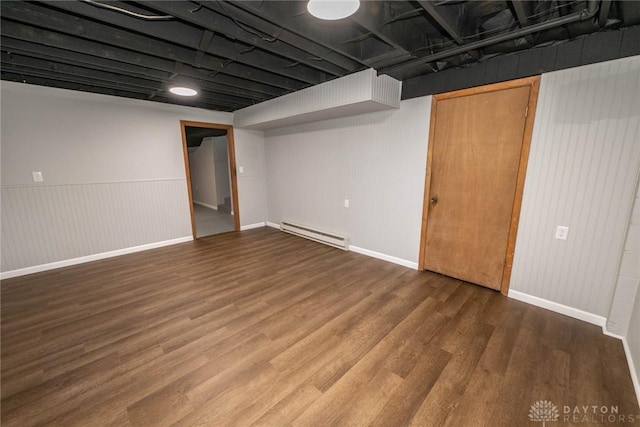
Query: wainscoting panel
{"x": 45, "y": 224}
{"x": 582, "y": 173}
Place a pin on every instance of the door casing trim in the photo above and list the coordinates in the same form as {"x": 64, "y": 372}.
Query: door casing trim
{"x": 534, "y": 82}
{"x": 232, "y": 169}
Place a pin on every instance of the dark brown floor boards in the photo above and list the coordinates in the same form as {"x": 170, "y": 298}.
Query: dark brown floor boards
{"x": 264, "y": 328}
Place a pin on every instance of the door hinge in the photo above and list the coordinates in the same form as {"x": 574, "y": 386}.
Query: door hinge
{"x": 526, "y": 112}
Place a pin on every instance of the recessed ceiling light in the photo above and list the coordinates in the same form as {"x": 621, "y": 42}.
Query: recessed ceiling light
{"x": 332, "y": 9}
{"x": 183, "y": 91}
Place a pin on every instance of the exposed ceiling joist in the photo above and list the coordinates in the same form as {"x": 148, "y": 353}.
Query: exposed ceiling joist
{"x": 522, "y": 9}
{"x": 213, "y": 21}
{"x": 277, "y": 32}
{"x": 345, "y": 39}
{"x": 239, "y": 53}
{"x": 186, "y": 36}
{"x": 567, "y": 19}
{"x": 605, "y": 6}
{"x": 372, "y": 17}
{"x": 445, "y": 19}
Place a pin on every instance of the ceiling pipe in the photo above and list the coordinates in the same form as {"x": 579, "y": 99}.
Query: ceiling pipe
{"x": 583, "y": 15}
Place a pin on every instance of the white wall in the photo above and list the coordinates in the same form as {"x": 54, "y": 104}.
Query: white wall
{"x": 203, "y": 176}
{"x": 633, "y": 343}
{"x": 624, "y": 313}
{"x": 76, "y": 137}
{"x": 113, "y": 171}
{"x": 628, "y": 281}
{"x": 583, "y": 167}
{"x": 582, "y": 173}
{"x": 376, "y": 160}
{"x": 221, "y": 168}
{"x": 252, "y": 198}
{"x": 584, "y": 163}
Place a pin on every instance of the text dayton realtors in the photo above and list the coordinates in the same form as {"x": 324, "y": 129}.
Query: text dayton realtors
{"x": 596, "y": 414}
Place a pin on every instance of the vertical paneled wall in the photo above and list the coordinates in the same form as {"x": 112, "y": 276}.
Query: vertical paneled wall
{"x": 628, "y": 281}
{"x": 633, "y": 341}
{"x": 113, "y": 172}
{"x": 582, "y": 173}
{"x": 44, "y": 224}
{"x": 351, "y": 94}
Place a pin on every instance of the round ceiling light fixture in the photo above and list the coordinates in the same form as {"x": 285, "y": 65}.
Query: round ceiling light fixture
{"x": 332, "y": 10}
{"x": 183, "y": 91}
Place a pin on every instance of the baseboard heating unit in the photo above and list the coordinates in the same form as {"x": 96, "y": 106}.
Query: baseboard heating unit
{"x": 328, "y": 238}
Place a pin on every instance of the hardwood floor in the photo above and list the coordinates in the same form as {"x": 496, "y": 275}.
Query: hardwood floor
{"x": 264, "y": 328}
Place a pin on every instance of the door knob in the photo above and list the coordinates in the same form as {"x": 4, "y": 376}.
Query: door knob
{"x": 434, "y": 200}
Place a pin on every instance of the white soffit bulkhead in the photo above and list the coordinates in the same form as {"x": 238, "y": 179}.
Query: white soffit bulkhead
{"x": 358, "y": 93}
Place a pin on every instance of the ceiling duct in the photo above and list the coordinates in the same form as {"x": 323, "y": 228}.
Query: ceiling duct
{"x": 358, "y": 93}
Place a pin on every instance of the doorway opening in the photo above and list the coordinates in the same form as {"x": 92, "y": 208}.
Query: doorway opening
{"x": 209, "y": 158}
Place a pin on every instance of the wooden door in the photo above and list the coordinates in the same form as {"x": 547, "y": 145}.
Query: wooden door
{"x": 478, "y": 149}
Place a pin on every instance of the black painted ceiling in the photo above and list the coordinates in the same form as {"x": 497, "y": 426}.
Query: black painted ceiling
{"x": 238, "y": 53}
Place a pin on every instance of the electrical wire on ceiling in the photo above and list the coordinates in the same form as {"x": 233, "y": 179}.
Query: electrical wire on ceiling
{"x": 195, "y": 9}
{"x": 320, "y": 58}
{"x": 128, "y": 12}
{"x": 250, "y": 30}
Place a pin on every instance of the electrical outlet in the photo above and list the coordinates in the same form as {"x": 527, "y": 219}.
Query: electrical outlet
{"x": 37, "y": 176}
{"x": 562, "y": 232}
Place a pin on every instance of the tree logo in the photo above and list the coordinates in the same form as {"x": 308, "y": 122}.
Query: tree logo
{"x": 543, "y": 410}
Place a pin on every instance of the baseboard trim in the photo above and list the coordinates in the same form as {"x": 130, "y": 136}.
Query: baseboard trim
{"x": 558, "y": 308}
{"x": 632, "y": 370}
{"x": 367, "y": 252}
{"x": 206, "y": 205}
{"x": 251, "y": 226}
{"x": 587, "y": 317}
{"x": 384, "y": 257}
{"x": 611, "y": 334}
{"x": 627, "y": 351}
{"x": 89, "y": 258}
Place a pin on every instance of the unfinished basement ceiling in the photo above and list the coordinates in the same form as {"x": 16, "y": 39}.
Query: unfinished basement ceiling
{"x": 239, "y": 53}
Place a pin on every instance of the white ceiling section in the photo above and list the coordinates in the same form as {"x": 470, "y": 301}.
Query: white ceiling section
{"x": 358, "y": 93}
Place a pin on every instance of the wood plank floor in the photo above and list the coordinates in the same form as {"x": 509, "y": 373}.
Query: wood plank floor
{"x": 264, "y": 328}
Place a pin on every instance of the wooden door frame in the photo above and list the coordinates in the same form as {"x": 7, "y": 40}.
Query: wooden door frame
{"x": 534, "y": 82}
{"x": 232, "y": 169}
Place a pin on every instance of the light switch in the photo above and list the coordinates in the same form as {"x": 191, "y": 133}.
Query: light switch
{"x": 240, "y": 169}
{"x": 346, "y": 203}
{"x": 37, "y": 176}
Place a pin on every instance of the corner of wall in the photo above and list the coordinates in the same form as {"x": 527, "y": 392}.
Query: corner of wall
{"x": 632, "y": 345}
{"x": 250, "y": 171}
